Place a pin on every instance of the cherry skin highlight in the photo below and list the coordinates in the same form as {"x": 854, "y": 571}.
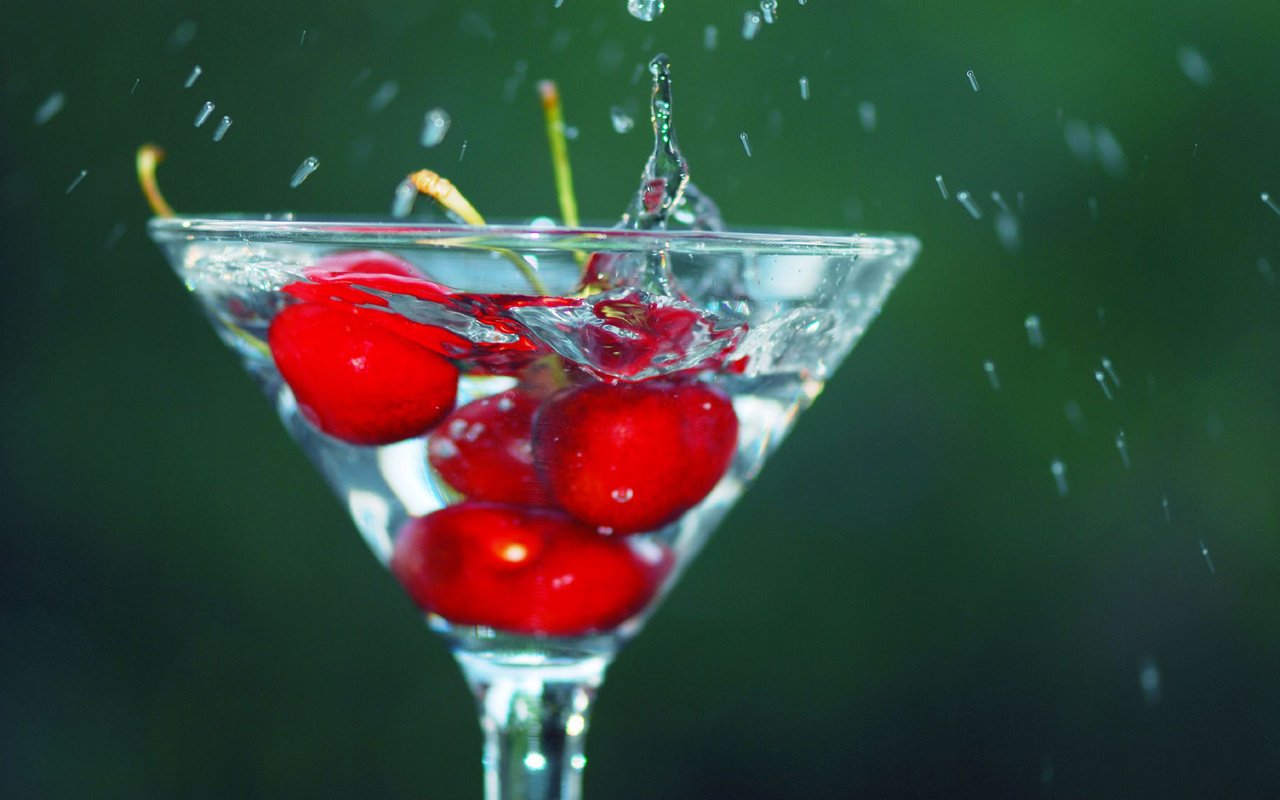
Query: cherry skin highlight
{"x": 522, "y": 570}
{"x": 356, "y": 380}
{"x": 484, "y": 449}
{"x": 633, "y": 457}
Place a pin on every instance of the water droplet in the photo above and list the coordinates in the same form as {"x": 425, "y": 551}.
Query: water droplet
{"x": 622, "y": 121}
{"x": 113, "y": 236}
{"x": 49, "y": 108}
{"x": 304, "y": 170}
{"x": 746, "y": 143}
{"x": 463, "y": 152}
{"x": 622, "y": 495}
{"x": 969, "y": 205}
{"x": 769, "y": 10}
{"x": 191, "y": 79}
{"x": 1123, "y": 448}
{"x": 136, "y": 81}
{"x": 1109, "y": 151}
{"x": 1059, "y": 471}
{"x": 1008, "y": 231}
{"x": 203, "y": 114}
{"x": 989, "y": 367}
{"x": 1035, "y": 336}
{"x": 383, "y": 96}
{"x": 1204, "y": 551}
{"x": 1266, "y": 198}
{"x": 1194, "y": 65}
{"x": 1264, "y": 268}
{"x": 750, "y": 25}
{"x": 1149, "y": 681}
{"x": 1075, "y": 417}
{"x": 1079, "y": 138}
{"x": 76, "y": 181}
{"x": 804, "y": 88}
{"x": 222, "y": 129}
{"x": 867, "y": 115}
{"x": 435, "y": 124}
{"x": 710, "y": 37}
{"x": 1102, "y": 383}
{"x": 942, "y": 186}
{"x": 406, "y": 193}
{"x": 1164, "y": 505}
{"x": 998, "y": 199}
{"x": 1093, "y": 207}
{"x": 181, "y": 36}
{"x": 647, "y": 10}
{"x": 973, "y": 79}
{"x": 1111, "y": 371}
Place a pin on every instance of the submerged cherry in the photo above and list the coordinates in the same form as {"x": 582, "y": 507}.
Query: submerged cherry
{"x": 356, "y": 380}
{"x": 484, "y": 451}
{"x": 523, "y": 570}
{"x": 634, "y": 456}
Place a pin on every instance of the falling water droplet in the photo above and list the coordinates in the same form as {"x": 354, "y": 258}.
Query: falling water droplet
{"x": 1149, "y": 681}
{"x": 1271, "y": 204}
{"x": 1264, "y": 268}
{"x": 462, "y": 154}
{"x": 942, "y": 186}
{"x": 49, "y": 108}
{"x": 1164, "y": 505}
{"x": 406, "y": 193}
{"x": 383, "y": 96}
{"x": 804, "y": 88}
{"x": 203, "y": 114}
{"x": 998, "y": 199}
{"x": 222, "y": 129}
{"x": 1111, "y": 371}
{"x": 969, "y": 205}
{"x": 136, "y": 81}
{"x": 1110, "y": 153}
{"x": 710, "y": 37}
{"x": 1123, "y": 448}
{"x": 1204, "y": 551}
{"x": 867, "y": 115}
{"x": 1035, "y": 336}
{"x": 304, "y": 170}
{"x": 1075, "y": 417}
{"x": 647, "y": 10}
{"x": 435, "y": 124}
{"x": 622, "y": 121}
{"x": 1008, "y": 231}
{"x": 769, "y": 10}
{"x": 1194, "y": 65}
{"x": 191, "y": 79}
{"x": 1093, "y": 207}
{"x": 973, "y": 79}
{"x": 1102, "y": 383}
{"x": 989, "y": 367}
{"x": 750, "y": 25}
{"x": 746, "y": 143}
{"x": 1059, "y": 471}
{"x": 76, "y": 181}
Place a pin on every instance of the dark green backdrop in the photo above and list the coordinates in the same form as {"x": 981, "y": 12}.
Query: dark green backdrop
{"x": 902, "y": 608}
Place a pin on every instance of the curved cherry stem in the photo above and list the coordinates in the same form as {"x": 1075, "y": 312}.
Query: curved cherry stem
{"x": 148, "y": 159}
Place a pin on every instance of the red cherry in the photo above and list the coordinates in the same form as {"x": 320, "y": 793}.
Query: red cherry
{"x": 369, "y": 262}
{"x": 355, "y": 379}
{"x": 483, "y": 449}
{"x": 634, "y": 456}
{"x": 522, "y": 570}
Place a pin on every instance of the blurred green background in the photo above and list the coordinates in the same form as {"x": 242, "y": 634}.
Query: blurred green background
{"x": 903, "y": 607}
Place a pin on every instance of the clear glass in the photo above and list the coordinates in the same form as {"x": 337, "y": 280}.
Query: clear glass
{"x": 535, "y": 429}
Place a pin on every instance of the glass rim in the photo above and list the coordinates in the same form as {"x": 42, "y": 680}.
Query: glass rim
{"x": 375, "y": 232}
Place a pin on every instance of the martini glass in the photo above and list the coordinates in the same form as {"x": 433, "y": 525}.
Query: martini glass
{"x": 536, "y": 429}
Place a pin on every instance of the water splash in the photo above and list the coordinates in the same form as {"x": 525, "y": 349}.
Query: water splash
{"x": 204, "y": 113}
{"x": 304, "y": 170}
{"x": 435, "y": 124}
{"x": 647, "y": 10}
{"x": 666, "y": 173}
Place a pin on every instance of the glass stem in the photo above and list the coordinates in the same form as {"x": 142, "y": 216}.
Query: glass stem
{"x": 535, "y": 723}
